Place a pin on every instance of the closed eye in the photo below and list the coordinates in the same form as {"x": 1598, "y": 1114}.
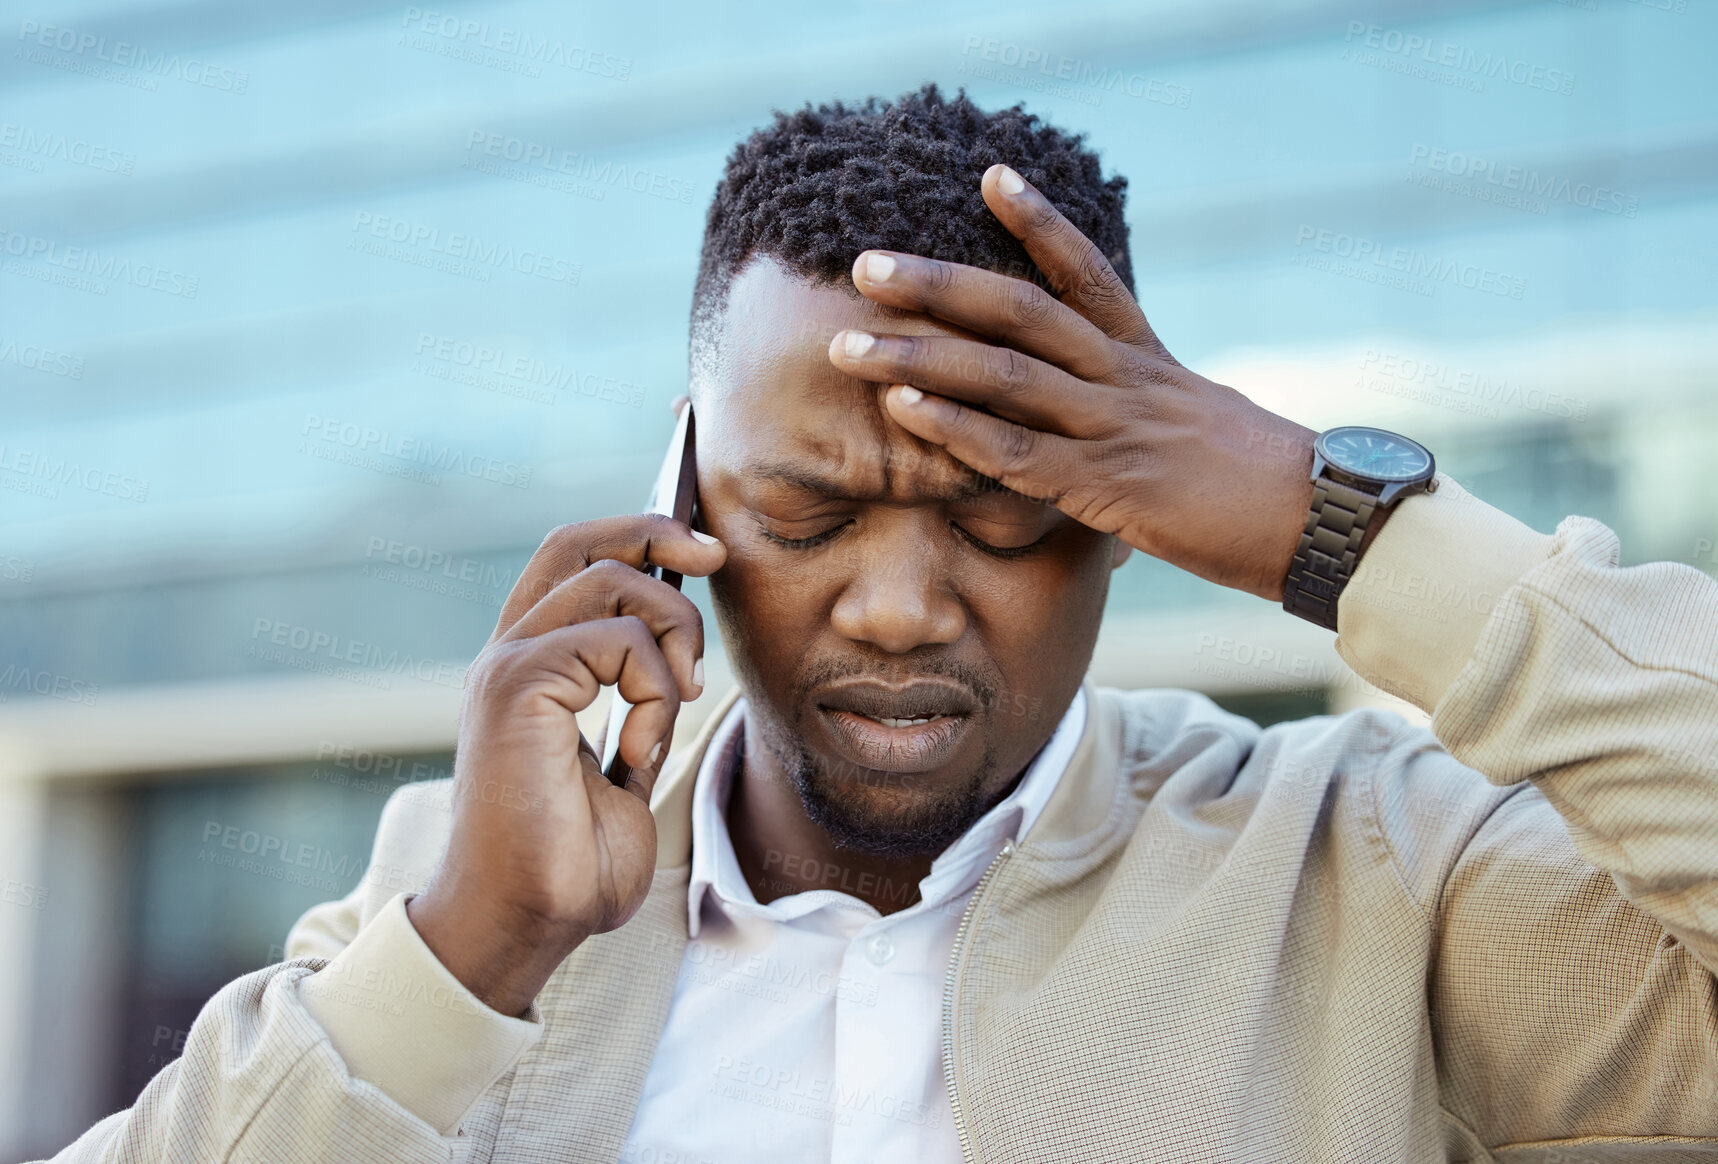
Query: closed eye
{"x": 1007, "y": 553}
{"x": 801, "y": 543}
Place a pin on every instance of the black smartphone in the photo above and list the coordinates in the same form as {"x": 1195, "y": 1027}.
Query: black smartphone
{"x": 675, "y": 494}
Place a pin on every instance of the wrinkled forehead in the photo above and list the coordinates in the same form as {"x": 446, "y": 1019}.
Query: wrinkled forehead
{"x": 770, "y": 394}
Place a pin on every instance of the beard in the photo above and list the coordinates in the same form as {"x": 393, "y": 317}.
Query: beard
{"x": 882, "y": 814}
{"x": 845, "y": 804}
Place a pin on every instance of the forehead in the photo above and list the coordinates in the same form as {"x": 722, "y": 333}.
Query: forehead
{"x": 771, "y": 398}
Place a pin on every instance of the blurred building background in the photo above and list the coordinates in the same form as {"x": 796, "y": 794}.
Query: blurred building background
{"x": 314, "y": 318}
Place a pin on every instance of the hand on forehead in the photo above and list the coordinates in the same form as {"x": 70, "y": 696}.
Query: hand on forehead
{"x": 772, "y": 395}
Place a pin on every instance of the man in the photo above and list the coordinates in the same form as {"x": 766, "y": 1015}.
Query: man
{"x": 916, "y": 891}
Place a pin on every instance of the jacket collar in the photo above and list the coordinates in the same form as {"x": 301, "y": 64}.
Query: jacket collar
{"x": 671, "y": 801}
{"x": 604, "y": 1008}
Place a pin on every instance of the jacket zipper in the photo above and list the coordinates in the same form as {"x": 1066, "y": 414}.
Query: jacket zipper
{"x": 948, "y": 996}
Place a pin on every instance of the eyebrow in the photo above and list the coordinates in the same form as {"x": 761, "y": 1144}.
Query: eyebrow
{"x": 973, "y": 486}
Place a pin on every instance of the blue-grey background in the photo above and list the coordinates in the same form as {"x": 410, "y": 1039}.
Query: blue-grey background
{"x": 201, "y": 305}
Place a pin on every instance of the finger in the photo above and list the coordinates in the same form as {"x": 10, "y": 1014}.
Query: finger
{"x": 579, "y": 660}
{"x": 679, "y": 402}
{"x": 608, "y": 588}
{"x": 1010, "y": 384}
{"x": 630, "y": 538}
{"x": 638, "y": 783}
{"x": 1033, "y": 464}
{"x": 1013, "y": 311}
{"x": 1082, "y": 277}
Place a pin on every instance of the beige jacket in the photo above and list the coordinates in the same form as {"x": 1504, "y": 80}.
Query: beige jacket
{"x": 1332, "y": 940}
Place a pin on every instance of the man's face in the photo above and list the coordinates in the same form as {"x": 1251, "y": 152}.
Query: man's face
{"x": 893, "y": 609}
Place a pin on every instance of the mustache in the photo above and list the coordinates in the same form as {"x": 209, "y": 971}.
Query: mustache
{"x": 823, "y": 672}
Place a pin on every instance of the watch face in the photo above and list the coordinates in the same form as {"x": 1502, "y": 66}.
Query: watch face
{"x": 1372, "y": 452}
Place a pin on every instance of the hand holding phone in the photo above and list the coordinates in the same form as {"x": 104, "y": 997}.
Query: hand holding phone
{"x": 675, "y": 494}
{"x": 545, "y": 848}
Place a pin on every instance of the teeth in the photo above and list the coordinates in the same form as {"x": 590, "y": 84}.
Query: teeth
{"x": 888, "y": 721}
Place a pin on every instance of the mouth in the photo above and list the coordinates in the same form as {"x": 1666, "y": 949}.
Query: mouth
{"x": 890, "y": 721}
{"x": 908, "y": 729}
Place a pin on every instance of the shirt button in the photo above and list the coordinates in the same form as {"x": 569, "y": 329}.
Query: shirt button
{"x": 1007, "y": 847}
{"x": 880, "y": 950}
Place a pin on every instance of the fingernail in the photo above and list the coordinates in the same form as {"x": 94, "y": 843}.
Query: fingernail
{"x": 655, "y": 752}
{"x": 1009, "y": 182}
{"x": 698, "y": 673}
{"x": 857, "y": 343}
{"x": 703, "y": 537}
{"x": 878, "y": 268}
{"x": 909, "y": 394}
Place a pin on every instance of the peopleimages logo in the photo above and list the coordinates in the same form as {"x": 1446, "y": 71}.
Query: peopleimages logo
{"x": 1037, "y": 68}
{"x": 1481, "y": 178}
{"x": 1445, "y": 62}
{"x": 310, "y": 643}
{"x": 436, "y": 572}
{"x": 17, "y": 679}
{"x": 86, "y": 261}
{"x": 1364, "y": 258}
{"x": 40, "y": 359}
{"x": 496, "y": 369}
{"x": 33, "y": 471}
{"x": 456, "y": 252}
{"x": 466, "y": 39}
{"x": 1464, "y": 390}
{"x": 458, "y": 569}
{"x": 599, "y": 174}
{"x": 413, "y": 451}
{"x": 24, "y": 894}
{"x": 86, "y": 48}
{"x": 58, "y": 147}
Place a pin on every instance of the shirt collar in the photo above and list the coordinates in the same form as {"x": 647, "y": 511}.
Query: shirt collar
{"x": 716, "y": 869}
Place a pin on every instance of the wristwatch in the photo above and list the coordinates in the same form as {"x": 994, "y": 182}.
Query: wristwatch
{"x": 1356, "y": 471}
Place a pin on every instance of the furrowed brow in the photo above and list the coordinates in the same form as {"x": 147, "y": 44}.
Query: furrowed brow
{"x": 974, "y": 486}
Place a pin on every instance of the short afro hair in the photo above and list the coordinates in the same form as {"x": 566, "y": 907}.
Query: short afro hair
{"x": 822, "y": 185}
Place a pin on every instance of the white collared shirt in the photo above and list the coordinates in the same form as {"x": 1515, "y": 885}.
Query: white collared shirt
{"x": 810, "y": 1029}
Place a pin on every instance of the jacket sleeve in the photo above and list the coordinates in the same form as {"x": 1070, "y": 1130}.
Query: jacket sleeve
{"x": 1573, "y": 897}
{"x": 260, "y": 1081}
{"x": 360, "y": 1048}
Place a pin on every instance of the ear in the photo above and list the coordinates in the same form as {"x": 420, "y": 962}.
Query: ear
{"x": 1121, "y": 553}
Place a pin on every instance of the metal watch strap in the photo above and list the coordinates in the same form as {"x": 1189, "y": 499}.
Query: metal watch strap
{"x": 1329, "y": 550}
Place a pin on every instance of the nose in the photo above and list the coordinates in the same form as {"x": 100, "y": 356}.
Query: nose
{"x": 898, "y": 597}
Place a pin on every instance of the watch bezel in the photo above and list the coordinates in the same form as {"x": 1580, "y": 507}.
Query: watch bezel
{"x": 1378, "y": 481}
